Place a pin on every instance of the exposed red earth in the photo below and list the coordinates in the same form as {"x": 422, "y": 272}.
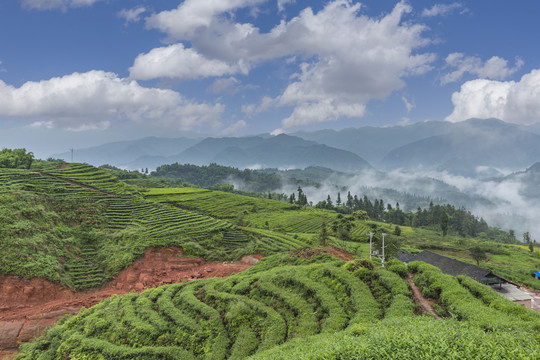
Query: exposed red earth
{"x": 27, "y": 307}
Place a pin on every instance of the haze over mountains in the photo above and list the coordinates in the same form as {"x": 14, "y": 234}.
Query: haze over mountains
{"x": 282, "y": 151}
{"x": 473, "y": 148}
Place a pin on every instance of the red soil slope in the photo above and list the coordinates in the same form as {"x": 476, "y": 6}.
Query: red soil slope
{"x": 28, "y": 306}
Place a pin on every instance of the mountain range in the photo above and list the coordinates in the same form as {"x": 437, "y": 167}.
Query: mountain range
{"x": 473, "y": 148}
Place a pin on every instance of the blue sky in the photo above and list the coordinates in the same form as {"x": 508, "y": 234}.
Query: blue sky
{"x": 76, "y": 73}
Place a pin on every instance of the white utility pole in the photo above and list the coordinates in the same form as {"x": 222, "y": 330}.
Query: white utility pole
{"x": 370, "y": 244}
{"x": 383, "y": 236}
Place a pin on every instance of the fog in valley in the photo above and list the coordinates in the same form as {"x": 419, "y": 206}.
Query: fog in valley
{"x": 500, "y": 201}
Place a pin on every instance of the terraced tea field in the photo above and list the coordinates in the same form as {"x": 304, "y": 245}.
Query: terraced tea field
{"x": 297, "y": 301}
{"x": 98, "y": 228}
{"x": 217, "y": 204}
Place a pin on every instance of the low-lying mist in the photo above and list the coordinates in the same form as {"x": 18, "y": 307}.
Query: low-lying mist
{"x": 501, "y": 202}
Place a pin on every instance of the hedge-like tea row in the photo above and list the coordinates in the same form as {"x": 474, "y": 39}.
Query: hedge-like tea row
{"x": 462, "y": 304}
{"x": 216, "y": 318}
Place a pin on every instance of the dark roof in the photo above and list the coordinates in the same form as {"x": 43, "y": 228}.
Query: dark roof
{"x": 404, "y": 256}
{"x": 454, "y": 267}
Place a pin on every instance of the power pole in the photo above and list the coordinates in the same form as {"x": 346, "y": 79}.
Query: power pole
{"x": 383, "y": 236}
{"x": 71, "y": 154}
{"x": 370, "y": 244}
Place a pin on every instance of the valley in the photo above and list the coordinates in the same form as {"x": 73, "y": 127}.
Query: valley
{"x": 155, "y": 256}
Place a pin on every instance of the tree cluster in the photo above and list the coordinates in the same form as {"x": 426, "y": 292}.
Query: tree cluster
{"x": 206, "y": 176}
{"x": 16, "y": 159}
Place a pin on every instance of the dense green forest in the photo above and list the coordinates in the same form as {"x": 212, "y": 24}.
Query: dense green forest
{"x": 207, "y": 176}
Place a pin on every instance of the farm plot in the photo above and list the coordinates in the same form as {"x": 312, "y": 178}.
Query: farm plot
{"x": 215, "y": 319}
{"x": 90, "y": 176}
{"x": 215, "y": 203}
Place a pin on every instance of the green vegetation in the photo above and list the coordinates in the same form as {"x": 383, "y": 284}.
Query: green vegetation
{"x": 206, "y": 176}
{"x": 16, "y": 159}
{"x": 78, "y": 226}
{"x": 317, "y": 306}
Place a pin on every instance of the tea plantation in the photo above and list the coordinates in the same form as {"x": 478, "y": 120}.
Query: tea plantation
{"x": 78, "y": 226}
{"x": 292, "y": 306}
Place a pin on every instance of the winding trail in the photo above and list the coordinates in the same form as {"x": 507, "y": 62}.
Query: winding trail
{"x": 420, "y": 299}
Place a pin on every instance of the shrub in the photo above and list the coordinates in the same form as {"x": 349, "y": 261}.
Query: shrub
{"x": 358, "y": 263}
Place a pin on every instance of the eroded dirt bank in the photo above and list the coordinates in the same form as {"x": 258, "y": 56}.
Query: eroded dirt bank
{"x": 28, "y": 306}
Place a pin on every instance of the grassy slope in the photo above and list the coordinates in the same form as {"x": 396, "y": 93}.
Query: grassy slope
{"x": 321, "y": 308}
{"x": 53, "y": 227}
{"x": 78, "y": 226}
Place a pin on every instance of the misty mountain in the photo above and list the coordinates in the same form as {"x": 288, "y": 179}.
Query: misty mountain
{"x": 282, "y": 151}
{"x": 374, "y": 143}
{"x": 527, "y": 182}
{"x": 470, "y": 148}
{"x": 409, "y": 190}
{"x": 132, "y": 154}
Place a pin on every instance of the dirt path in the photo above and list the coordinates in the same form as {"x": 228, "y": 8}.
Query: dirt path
{"x": 28, "y": 306}
{"x": 420, "y": 299}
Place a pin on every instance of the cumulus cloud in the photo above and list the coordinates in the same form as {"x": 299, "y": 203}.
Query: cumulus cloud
{"x": 510, "y": 101}
{"x": 345, "y": 58}
{"x": 175, "y": 61}
{"x": 92, "y": 100}
{"x": 132, "y": 15}
{"x": 358, "y": 59}
{"x": 193, "y": 15}
{"x": 495, "y": 68}
{"x": 441, "y": 9}
{"x": 56, "y": 4}
{"x": 281, "y": 4}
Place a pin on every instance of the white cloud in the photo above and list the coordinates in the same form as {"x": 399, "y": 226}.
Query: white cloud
{"x": 358, "y": 59}
{"x": 1, "y": 68}
{"x": 346, "y": 59}
{"x": 495, "y": 68}
{"x": 441, "y": 9}
{"x": 56, "y": 4}
{"x": 175, "y": 61}
{"x": 228, "y": 86}
{"x": 408, "y": 105}
{"x": 266, "y": 103}
{"x": 92, "y": 100}
{"x": 232, "y": 129}
{"x": 277, "y": 132}
{"x": 514, "y": 102}
{"x": 281, "y": 4}
{"x": 193, "y": 15}
{"x": 322, "y": 111}
{"x": 132, "y": 15}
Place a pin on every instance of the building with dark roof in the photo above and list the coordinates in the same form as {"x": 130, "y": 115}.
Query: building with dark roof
{"x": 506, "y": 288}
{"x": 455, "y": 267}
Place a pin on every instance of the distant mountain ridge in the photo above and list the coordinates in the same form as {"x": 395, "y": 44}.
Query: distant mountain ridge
{"x": 128, "y": 154}
{"x": 282, "y": 151}
{"x": 475, "y": 147}
{"x": 472, "y": 148}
